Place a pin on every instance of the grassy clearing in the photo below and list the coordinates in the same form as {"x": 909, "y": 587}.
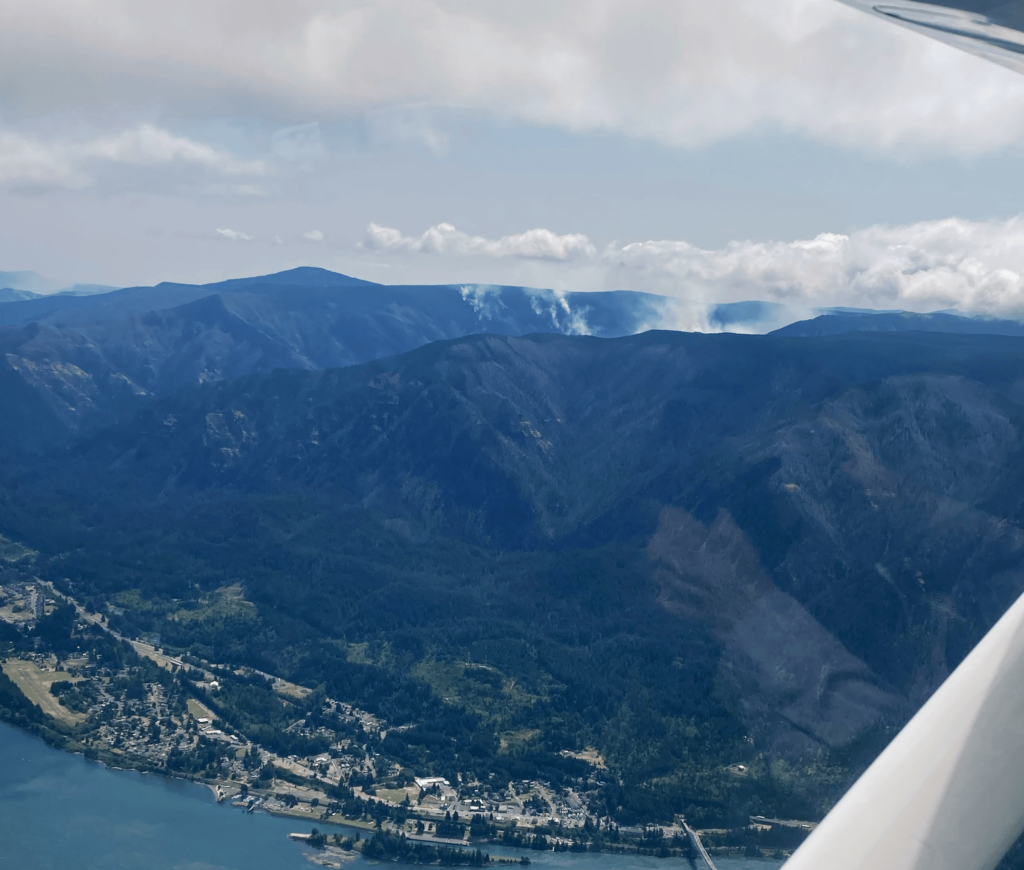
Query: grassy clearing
{"x": 131, "y": 599}
{"x": 35, "y": 685}
{"x": 198, "y": 710}
{"x": 226, "y": 602}
{"x": 7, "y": 614}
{"x": 339, "y": 819}
{"x": 291, "y": 690}
{"x": 589, "y": 755}
{"x": 513, "y": 739}
{"x": 398, "y": 794}
{"x": 480, "y": 688}
{"x": 14, "y": 553}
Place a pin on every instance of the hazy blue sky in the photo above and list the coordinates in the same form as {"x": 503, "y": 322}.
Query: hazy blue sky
{"x": 778, "y": 149}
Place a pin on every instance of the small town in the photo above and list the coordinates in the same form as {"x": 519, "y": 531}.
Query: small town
{"x": 129, "y": 703}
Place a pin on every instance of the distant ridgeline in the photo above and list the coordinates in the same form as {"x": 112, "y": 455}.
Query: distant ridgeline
{"x": 79, "y": 360}
{"x": 688, "y": 574}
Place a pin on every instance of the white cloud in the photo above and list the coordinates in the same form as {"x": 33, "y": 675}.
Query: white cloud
{"x": 148, "y": 146}
{"x": 538, "y": 244}
{"x": 976, "y": 267}
{"x": 30, "y": 161}
{"x": 23, "y": 161}
{"x": 235, "y": 235}
{"x": 677, "y": 72}
{"x": 314, "y": 236}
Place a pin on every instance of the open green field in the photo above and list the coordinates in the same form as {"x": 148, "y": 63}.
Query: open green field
{"x": 35, "y": 684}
{"x": 398, "y": 794}
{"x": 228, "y": 602}
{"x": 14, "y": 553}
{"x": 198, "y": 710}
{"x": 8, "y": 614}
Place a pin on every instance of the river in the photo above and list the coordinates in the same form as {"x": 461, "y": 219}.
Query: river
{"x": 60, "y": 811}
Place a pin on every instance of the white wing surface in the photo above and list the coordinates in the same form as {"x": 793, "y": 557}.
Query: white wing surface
{"x": 948, "y": 792}
{"x": 993, "y": 29}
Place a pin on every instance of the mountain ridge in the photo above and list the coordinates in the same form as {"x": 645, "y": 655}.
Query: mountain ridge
{"x": 92, "y": 357}
{"x": 835, "y": 323}
{"x": 691, "y": 550}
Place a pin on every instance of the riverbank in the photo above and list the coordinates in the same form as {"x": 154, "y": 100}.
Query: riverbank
{"x": 335, "y": 774}
{"x": 120, "y": 820}
{"x": 305, "y": 811}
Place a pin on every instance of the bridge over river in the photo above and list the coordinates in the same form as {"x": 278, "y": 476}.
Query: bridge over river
{"x": 699, "y": 846}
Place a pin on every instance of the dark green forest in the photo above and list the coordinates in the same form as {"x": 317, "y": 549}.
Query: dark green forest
{"x": 566, "y": 652}
{"x": 524, "y": 553}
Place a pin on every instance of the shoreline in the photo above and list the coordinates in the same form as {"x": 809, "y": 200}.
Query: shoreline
{"x": 360, "y": 826}
{"x": 54, "y": 734}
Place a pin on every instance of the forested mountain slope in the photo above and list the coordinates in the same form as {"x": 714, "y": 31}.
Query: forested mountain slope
{"x": 685, "y": 550}
{"x": 90, "y": 359}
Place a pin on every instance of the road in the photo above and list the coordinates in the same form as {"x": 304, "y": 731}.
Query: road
{"x": 170, "y": 662}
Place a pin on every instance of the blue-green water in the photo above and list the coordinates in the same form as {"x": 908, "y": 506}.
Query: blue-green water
{"x": 61, "y": 812}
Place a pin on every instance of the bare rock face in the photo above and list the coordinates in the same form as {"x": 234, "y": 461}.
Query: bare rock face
{"x": 786, "y": 677}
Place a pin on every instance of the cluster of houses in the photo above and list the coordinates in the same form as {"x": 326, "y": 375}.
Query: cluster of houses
{"x": 27, "y": 601}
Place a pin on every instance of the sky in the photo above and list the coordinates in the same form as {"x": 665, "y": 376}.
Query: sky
{"x": 786, "y": 150}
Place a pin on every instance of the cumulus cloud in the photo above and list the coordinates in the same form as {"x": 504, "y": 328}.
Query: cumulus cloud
{"x": 30, "y": 161}
{"x": 538, "y": 244}
{"x": 679, "y": 73}
{"x": 976, "y": 267}
{"x": 314, "y": 236}
{"x": 24, "y": 161}
{"x": 148, "y": 146}
{"x": 235, "y": 235}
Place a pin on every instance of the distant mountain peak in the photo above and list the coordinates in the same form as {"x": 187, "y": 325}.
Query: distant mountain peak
{"x": 30, "y": 281}
{"x": 302, "y": 276}
{"x": 87, "y": 290}
{"x": 842, "y": 321}
{"x": 12, "y": 294}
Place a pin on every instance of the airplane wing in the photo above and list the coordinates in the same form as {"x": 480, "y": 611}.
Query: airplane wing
{"x": 992, "y": 29}
{"x": 948, "y": 792}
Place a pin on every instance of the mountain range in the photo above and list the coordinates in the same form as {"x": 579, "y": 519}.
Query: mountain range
{"x": 837, "y": 322}
{"x": 687, "y": 550}
{"x": 91, "y": 358}
{"x": 22, "y": 286}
